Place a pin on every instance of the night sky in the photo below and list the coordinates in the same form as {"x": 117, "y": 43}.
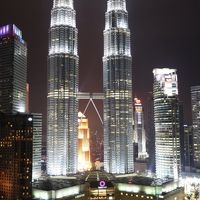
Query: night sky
{"x": 165, "y": 33}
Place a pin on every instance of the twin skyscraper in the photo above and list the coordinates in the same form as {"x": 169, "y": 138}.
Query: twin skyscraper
{"x": 63, "y": 61}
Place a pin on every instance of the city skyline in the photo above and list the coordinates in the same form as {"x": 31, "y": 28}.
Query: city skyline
{"x": 97, "y": 64}
{"x": 158, "y": 40}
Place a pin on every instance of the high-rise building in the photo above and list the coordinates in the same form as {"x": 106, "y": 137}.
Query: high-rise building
{"x": 14, "y": 90}
{"x": 195, "y": 99}
{"x": 16, "y": 138}
{"x": 37, "y": 145}
{"x": 117, "y": 79}
{"x": 139, "y": 131}
{"x": 84, "y": 162}
{"x": 188, "y": 151}
{"x": 62, "y": 128}
{"x": 166, "y": 119}
{"x": 13, "y": 68}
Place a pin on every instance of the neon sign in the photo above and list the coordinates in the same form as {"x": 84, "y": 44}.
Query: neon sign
{"x": 10, "y": 30}
{"x": 102, "y": 184}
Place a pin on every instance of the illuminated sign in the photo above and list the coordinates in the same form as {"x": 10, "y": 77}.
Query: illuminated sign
{"x": 10, "y": 30}
{"x": 102, "y": 184}
{"x": 4, "y": 30}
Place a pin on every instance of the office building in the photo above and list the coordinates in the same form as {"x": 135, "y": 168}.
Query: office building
{"x": 139, "y": 131}
{"x": 84, "y": 161}
{"x": 16, "y": 138}
{"x": 188, "y": 149}
{"x": 37, "y": 145}
{"x": 166, "y": 119}
{"x": 62, "y": 128}
{"x": 117, "y": 85}
{"x": 195, "y": 99}
{"x": 13, "y": 68}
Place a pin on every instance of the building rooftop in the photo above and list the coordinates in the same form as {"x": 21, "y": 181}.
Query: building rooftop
{"x": 98, "y": 176}
{"x": 142, "y": 180}
{"x": 49, "y": 183}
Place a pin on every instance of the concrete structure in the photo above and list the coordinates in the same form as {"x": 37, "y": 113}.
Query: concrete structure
{"x": 117, "y": 85}
{"x": 62, "y": 128}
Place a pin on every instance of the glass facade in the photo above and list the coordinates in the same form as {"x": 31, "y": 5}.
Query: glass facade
{"x": 195, "y": 99}
{"x": 62, "y": 90}
{"x": 117, "y": 78}
{"x": 166, "y": 118}
{"x": 13, "y": 70}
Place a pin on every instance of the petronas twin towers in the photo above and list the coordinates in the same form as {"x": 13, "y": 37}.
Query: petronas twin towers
{"x": 63, "y": 61}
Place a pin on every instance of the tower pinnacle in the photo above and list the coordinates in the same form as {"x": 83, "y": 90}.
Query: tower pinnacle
{"x": 116, "y": 5}
{"x": 63, "y": 3}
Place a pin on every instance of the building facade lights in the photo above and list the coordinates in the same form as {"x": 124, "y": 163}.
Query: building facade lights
{"x": 139, "y": 131}
{"x": 118, "y": 110}
{"x": 13, "y": 70}
{"x": 195, "y": 99}
{"x": 62, "y": 131}
{"x": 166, "y": 119}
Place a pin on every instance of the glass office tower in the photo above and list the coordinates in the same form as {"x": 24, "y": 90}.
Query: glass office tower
{"x": 166, "y": 118}
{"x": 195, "y": 99}
{"x": 13, "y": 70}
{"x": 62, "y": 90}
{"x": 117, "y": 79}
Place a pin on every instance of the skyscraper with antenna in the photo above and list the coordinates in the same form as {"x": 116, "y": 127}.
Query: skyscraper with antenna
{"x": 117, "y": 80}
{"x": 62, "y": 90}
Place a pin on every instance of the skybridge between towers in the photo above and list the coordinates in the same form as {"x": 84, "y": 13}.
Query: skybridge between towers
{"x": 91, "y": 97}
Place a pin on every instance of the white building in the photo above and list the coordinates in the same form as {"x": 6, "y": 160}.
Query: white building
{"x": 62, "y": 129}
{"x": 166, "y": 118}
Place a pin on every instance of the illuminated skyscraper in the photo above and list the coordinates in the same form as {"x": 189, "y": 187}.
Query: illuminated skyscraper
{"x": 166, "y": 118}
{"x": 117, "y": 78}
{"x": 62, "y": 90}
{"x": 13, "y": 68}
{"x": 139, "y": 132}
{"x": 195, "y": 99}
{"x": 84, "y": 163}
